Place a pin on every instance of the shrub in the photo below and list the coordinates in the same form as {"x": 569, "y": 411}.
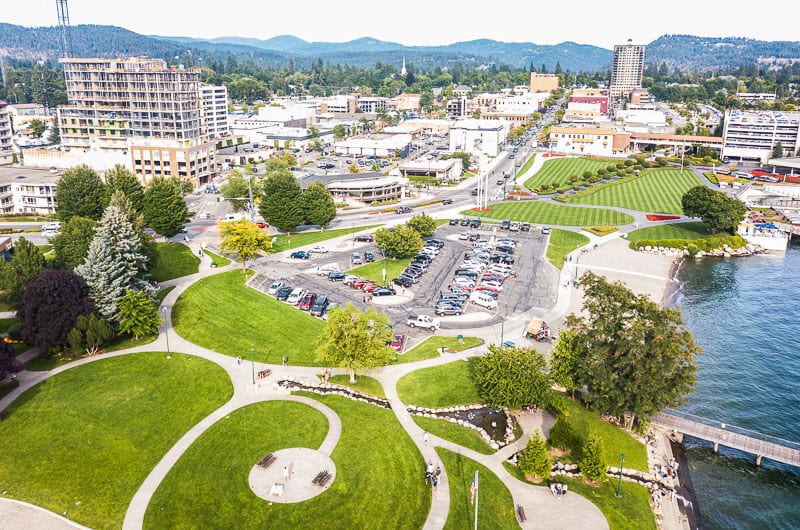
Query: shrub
{"x": 533, "y": 460}
{"x": 587, "y": 174}
{"x": 628, "y": 162}
{"x": 602, "y": 172}
{"x": 558, "y": 405}
{"x": 576, "y": 187}
{"x": 563, "y": 434}
{"x": 573, "y": 178}
{"x": 620, "y": 166}
{"x": 593, "y": 179}
{"x": 592, "y": 464}
{"x": 611, "y": 168}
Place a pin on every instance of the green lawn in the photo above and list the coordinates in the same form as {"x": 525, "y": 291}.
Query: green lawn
{"x": 8, "y": 387}
{"x": 496, "y": 506}
{"x": 222, "y": 314}
{"x": 81, "y": 442}
{"x": 8, "y": 323}
{"x": 299, "y": 239}
{"x": 691, "y": 230}
{"x": 429, "y": 348}
{"x": 163, "y": 292}
{"x": 560, "y": 169}
{"x": 374, "y": 271}
{"x": 562, "y": 242}
{"x": 526, "y": 166}
{"x": 365, "y": 384}
{"x": 656, "y": 190}
{"x": 453, "y": 432}
{"x": 447, "y": 385}
{"x": 379, "y": 472}
{"x": 553, "y": 214}
{"x": 221, "y": 261}
{"x": 174, "y": 260}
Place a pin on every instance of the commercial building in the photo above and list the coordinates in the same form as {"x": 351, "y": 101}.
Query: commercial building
{"x": 456, "y": 108}
{"x": 371, "y": 104}
{"x": 543, "y": 82}
{"x": 365, "y": 187}
{"x": 478, "y": 137}
{"x": 444, "y": 171}
{"x": 215, "y": 110}
{"x": 753, "y": 135}
{"x": 589, "y": 141}
{"x": 25, "y": 190}
{"x": 6, "y": 153}
{"x": 405, "y": 102}
{"x": 627, "y": 68}
{"x": 590, "y": 95}
{"x": 375, "y": 144}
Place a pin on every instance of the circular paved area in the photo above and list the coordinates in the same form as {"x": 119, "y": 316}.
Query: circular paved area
{"x": 302, "y": 465}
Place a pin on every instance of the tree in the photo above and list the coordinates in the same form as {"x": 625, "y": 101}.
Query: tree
{"x": 38, "y": 127}
{"x": 715, "y": 208}
{"x": 164, "y": 209}
{"x": 563, "y": 434}
{"x": 80, "y": 192}
{"x": 564, "y": 360}
{"x": 402, "y": 242}
{"x": 54, "y": 137}
{"x": 422, "y": 223}
{"x": 512, "y": 377}
{"x": 320, "y": 209}
{"x": 243, "y": 239}
{"x": 339, "y": 132}
{"x": 8, "y": 361}
{"x": 236, "y": 190}
{"x": 72, "y": 242}
{"x": 777, "y": 150}
{"x": 634, "y": 357}
{"x": 51, "y": 304}
{"x": 138, "y": 314}
{"x": 282, "y": 205}
{"x": 592, "y": 464}
{"x": 119, "y": 178}
{"x": 113, "y": 264}
{"x": 355, "y": 339}
{"x": 90, "y": 334}
{"x": 26, "y": 263}
{"x": 534, "y": 460}
{"x": 147, "y": 244}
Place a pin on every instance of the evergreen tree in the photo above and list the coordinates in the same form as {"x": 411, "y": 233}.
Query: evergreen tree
{"x": 563, "y": 434}
{"x": 592, "y": 464}
{"x": 119, "y": 178}
{"x": 71, "y": 244}
{"x": 113, "y": 264}
{"x": 320, "y": 209}
{"x": 534, "y": 460}
{"x": 90, "y": 334}
{"x": 80, "y": 192}
{"x": 282, "y": 205}
{"x": 138, "y": 315}
{"x": 165, "y": 210}
{"x": 26, "y": 263}
{"x": 147, "y": 244}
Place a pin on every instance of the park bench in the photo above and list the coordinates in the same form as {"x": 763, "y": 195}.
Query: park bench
{"x": 267, "y": 461}
{"x": 264, "y": 373}
{"x": 521, "y": 513}
{"x": 322, "y": 478}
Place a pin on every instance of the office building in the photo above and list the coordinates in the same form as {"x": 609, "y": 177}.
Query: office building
{"x": 753, "y": 135}
{"x": 6, "y": 153}
{"x": 627, "y": 68}
{"x": 478, "y": 137}
{"x": 215, "y": 110}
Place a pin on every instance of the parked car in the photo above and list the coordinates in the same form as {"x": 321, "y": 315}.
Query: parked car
{"x": 300, "y": 254}
{"x": 296, "y": 295}
{"x": 403, "y": 281}
{"x": 283, "y": 293}
{"x": 475, "y": 223}
{"x": 514, "y": 227}
{"x": 464, "y": 222}
{"x": 369, "y": 257}
{"x": 318, "y": 249}
{"x": 545, "y": 230}
{"x": 307, "y": 301}
{"x": 365, "y": 238}
{"x": 398, "y": 341}
{"x": 504, "y": 224}
{"x": 319, "y": 307}
{"x": 447, "y": 201}
{"x": 336, "y": 276}
{"x": 383, "y": 291}
{"x": 447, "y": 309}
{"x": 356, "y": 259}
{"x": 453, "y": 222}
{"x": 403, "y": 209}
{"x": 483, "y": 300}
{"x": 275, "y": 287}
{"x": 525, "y": 227}
{"x": 331, "y": 305}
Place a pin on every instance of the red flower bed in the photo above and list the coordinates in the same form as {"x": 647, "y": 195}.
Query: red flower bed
{"x": 660, "y": 217}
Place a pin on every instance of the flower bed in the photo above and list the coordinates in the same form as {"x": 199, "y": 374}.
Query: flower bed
{"x": 660, "y": 217}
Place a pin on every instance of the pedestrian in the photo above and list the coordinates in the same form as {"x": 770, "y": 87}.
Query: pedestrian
{"x": 435, "y": 482}
{"x": 285, "y": 360}
{"x": 200, "y": 253}
{"x": 239, "y": 360}
{"x": 286, "y": 473}
{"x": 425, "y": 438}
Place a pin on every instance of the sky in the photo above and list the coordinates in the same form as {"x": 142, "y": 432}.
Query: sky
{"x": 421, "y": 22}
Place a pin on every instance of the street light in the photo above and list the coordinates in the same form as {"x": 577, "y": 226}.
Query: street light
{"x": 166, "y": 326}
{"x": 619, "y": 483}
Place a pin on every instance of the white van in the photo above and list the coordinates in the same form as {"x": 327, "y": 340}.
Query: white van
{"x": 483, "y": 299}
{"x": 232, "y": 217}
{"x": 327, "y": 268}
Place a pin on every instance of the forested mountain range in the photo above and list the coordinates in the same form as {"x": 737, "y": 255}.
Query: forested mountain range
{"x": 685, "y": 52}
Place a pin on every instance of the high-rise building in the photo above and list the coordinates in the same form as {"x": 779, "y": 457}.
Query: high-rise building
{"x": 627, "y": 68}
{"x": 156, "y": 119}
{"x": 6, "y": 153}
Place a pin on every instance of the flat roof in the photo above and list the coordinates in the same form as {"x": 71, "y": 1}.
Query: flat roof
{"x": 22, "y": 175}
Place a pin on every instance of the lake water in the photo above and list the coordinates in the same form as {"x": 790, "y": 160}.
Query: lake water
{"x": 745, "y": 313}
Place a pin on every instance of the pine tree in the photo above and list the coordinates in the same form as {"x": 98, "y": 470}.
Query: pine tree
{"x": 534, "y": 460}
{"x": 119, "y": 178}
{"x": 592, "y": 464}
{"x": 113, "y": 264}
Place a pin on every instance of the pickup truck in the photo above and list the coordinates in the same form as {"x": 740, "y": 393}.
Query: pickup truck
{"x": 423, "y": 321}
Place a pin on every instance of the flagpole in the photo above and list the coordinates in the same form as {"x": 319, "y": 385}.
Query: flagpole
{"x": 476, "y": 499}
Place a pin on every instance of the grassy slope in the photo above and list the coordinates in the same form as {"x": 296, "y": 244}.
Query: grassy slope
{"x": 222, "y": 314}
{"x": 553, "y": 214}
{"x": 692, "y": 230}
{"x": 560, "y": 169}
{"x": 174, "y": 260}
{"x": 83, "y": 441}
{"x": 562, "y": 242}
{"x": 455, "y": 433}
{"x": 365, "y": 384}
{"x": 439, "y": 386}
{"x": 429, "y": 348}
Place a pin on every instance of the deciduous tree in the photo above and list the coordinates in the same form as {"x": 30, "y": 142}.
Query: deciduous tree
{"x": 8, "y": 361}
{"x": 26, "y": 263}
{"x": 356, "y": 340}
{"x": 320, "y": 209}
{"x": 235, "y": 190}
{"x": 138, "y": 314}
{"x": 402, "y": 242}
{"x": 282, "y": 205}
{"x": 243, "y": 239}
{"x": 715, "y": 208}
{"x": 71, "y": 244}
{"x": 634, "y": 356}
{"x": 512, "y": 377}
{"x": 164, "y": 209}
{"x": 423, "y": 223}
{"x": 80, "y": 192}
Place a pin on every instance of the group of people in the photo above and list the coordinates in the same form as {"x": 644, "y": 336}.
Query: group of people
{"x": 558, "y": 490}
{"x": 432, "y": 476}
{"x": 670, "y": 470}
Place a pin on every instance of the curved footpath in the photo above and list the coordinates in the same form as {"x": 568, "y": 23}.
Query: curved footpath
{"x": 571, "y": 511}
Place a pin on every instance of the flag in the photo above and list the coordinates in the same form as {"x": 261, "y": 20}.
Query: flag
{"x": 473, "y": 489}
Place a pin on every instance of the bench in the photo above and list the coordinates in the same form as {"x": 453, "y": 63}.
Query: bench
{"x": 521, "y": 513}
{"x": 267, "y": 461}
{"x": 322, "y": 478}
{"x": 264, "y": 373}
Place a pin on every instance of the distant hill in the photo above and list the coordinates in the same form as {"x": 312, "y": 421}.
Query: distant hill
{"x": 683, "y": 51}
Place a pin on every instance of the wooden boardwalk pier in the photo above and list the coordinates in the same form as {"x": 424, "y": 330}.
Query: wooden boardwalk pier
{"x": 760, "y": 445}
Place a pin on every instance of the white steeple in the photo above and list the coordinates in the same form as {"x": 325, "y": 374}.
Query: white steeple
{"x": 403, "y": 71}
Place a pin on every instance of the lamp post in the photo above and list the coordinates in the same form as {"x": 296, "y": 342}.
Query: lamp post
{"x": 619, "y": 483}
{"x": 253, "y": 363}
{"x": 166, "y": 333}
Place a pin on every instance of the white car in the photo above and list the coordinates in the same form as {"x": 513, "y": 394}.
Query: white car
{"x": 318, "y": 249}
{"x": 295, "y": 296}
{"x": 275, "y": 287}
{"x": 463, "y": 236}
{"x": 462, "y": 281}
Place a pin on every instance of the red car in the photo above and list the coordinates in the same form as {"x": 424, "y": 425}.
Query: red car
{"x": 262, "y": 224}
{"x": 398, "y": 341}
{"x": 369, "y": 287}
{"x": 307, "y": 301}
{"x": 360, "y": 283}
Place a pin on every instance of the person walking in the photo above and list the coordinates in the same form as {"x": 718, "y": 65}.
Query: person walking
{"x": 285, "y": 361}
{"x": 425, "y": 438}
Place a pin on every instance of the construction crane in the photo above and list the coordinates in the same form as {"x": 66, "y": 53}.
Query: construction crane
{"x": 66, "y": 32}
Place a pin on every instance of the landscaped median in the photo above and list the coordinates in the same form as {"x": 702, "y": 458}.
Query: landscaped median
{"x": 553, "y": 214}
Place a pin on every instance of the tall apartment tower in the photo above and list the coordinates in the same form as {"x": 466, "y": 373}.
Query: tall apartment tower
{"x": 627, "y": 68}
{"x": 138, "y": 112}
{"x": 6, "y": 153}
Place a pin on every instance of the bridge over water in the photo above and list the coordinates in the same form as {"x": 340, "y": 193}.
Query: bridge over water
{"x": 760, "y": 445}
